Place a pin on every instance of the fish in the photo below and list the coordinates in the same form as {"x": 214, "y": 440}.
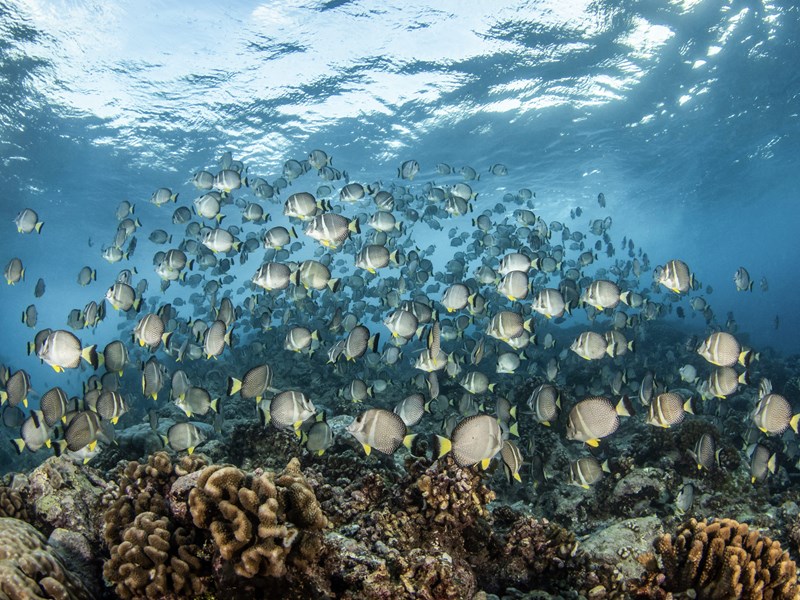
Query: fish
{"x": 254, "y": 384}
{"x": 318, "y": 438}
{"x": 705, "y": 452}
{"x": 684, "y": 499}
{"x": 724, "y": 382}
{"x": 590, "y": 346}
{"x": 217, "y": 336}
{"x": 380, "y": 429}
{"x": 742, "y": 280}
{"x": 14, "y": 271}
{"x": 180, "y": 386}
{"x": 152, "y": 378}
{"x": 773, "y": 415}
{"x": 17, "y": 386}
{"x": 476, "y": 439}
{"x": 27, "y": 221}
{"x": 34, "y": 434}
{"x": 476, "y": 382}
{"x": 53, "y": 405}
{"x": 545, "y": 402}
{"x": 512, "y": 460}
{"x": 507, "y": 325}
{"x": 676, "y": 276}
{"x": 197, "y": 401}
{"x": 550, "y": 303}
{"x": 149, "y": 331}
{"x": 115, "y": 357}
{"x": 63, "y": 350}
{"x": 411, "y": 409}
{"x": 289, "y": 410}
{"x": 594, "y": 418}
{"x": 601, "y": 294}
{"x": 82, "y": 431}
{"x": 408, "y": 170}
{"x": 358, "y": 341}
{"x": 184, "y": 436}
{"x": 331, "y": 229}
{"x": 162, "y": 196}
{"x": 123, "y": 297}
{"x": 761, "y": 463}
{"x": 314, "y": 275}
{"x": 111, "y": 406}
{"x": 357, "y": 391}
{"x": 30, "y": 316}
{"x": 587, "y": 471}
{"x": 278, "y": 237}
{"x": 723, "y": 350}
{"x": 375, "y": 256}
{"x": 668, "y": 409}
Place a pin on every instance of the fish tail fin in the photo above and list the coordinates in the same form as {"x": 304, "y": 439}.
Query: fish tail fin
{"x": 89, "y": 354}
{"x": 408, "y": 440}
{"x": 234, "y": 385}
{"x": 372, "y": 343}
{"x": 445, "y": 445}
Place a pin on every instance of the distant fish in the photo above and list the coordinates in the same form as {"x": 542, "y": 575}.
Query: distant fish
{"x": 742, "y": 280}
{"x": 408, "y": 170}
{"x": 762, "y": 463}
{"x": 587, "y": 471}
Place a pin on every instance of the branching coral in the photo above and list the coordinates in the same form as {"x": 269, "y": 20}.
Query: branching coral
{"x": 725, "y": 559}
{"x": 30, "y": 569}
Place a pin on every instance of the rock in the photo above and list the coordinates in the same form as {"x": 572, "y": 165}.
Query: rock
{"x": 66, "y": 495}
{"x": 620, "y": 544}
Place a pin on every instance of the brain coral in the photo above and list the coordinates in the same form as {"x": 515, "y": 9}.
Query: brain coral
{"x": 30, "y": 569}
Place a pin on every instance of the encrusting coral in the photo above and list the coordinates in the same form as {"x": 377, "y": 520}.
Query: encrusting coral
{"x": 723, "y": 559}
{"x": 30, "y": 569}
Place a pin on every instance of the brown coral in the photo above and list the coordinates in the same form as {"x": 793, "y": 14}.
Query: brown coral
{"x": 452, "y": 495}
{"x": 30, "y": 569}
{"x": 725, "y": 559}
{"x": 154, "y": 559}
{"x": 152, "y": 556}
{"x": 255, "y": 519}
{"x": 12, "y": 504}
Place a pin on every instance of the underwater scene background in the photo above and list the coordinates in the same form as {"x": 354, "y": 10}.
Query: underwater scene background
{"x": 355, "y": 299}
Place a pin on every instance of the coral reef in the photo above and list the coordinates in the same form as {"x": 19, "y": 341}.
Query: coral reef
{"x": 720, "y": 559}
{"x": 255, "y": 520}
{"x": 155, "y": 559}
{"x": 12, "y": 504}
{"x": 31, "y": 569}
{"x": 151, "y": 556}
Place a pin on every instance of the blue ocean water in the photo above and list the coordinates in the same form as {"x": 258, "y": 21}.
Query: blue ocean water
{"x": 683, "y": 114}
